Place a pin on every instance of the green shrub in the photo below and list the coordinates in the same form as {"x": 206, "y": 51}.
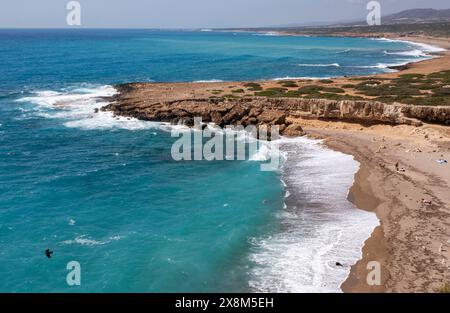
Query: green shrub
{"x": 444, "y": 75}
{"x": 427, "y": 86}
{"x": 277, "y": 89}
{"x": 326, "y": 81}
{"x": 378, "y": 89}
{"x": 290, "y": 85}
{"x": 333, "y": 90}
{"x": 310, "y": 89}
{"x": 428, "y": 100}
{"x": 252, "y": 85}
{"x": 282, "y": 82}
{"x": 293, "y": 94}
{"x": 269, "y": 93}
{"x": 369, "y": 83}
{"x": 410, "y": 77}
{"x": 441, "y": 91}
{"x": 238, "y": 91}
{"x": 333, "y": 96}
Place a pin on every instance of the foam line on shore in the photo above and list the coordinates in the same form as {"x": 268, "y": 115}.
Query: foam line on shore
{"x": 318, "y": 225}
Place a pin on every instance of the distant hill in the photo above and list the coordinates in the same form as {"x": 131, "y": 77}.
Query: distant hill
{"x": 413, "y": 16}
{"x": 417, "y": 16}
{"x": 414, "y": 22}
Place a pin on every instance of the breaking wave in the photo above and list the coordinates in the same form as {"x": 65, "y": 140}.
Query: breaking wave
{"x": 318, "y": 225}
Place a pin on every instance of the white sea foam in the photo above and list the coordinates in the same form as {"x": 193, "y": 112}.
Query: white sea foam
{"x": 84, "y": 241}
{"x": 428, "y": 48}
{"x": 267, "y": 151}
{"x": 319, "y": 226}
{"x": 209, "y": 81}
{"x": 425, "y": 47}
{"x": 344, "y": 51}
{"x": 269, "y": 34}
{"x": 77, "y": 108}
{"x": 411, "y": 53}
{"x": 320, "y": 65}
{"x": 384, "y": 66}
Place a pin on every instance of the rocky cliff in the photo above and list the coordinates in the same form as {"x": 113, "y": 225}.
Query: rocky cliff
{"x": 270, "y": 111}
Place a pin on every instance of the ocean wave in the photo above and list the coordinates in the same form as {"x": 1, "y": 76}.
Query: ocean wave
{"x": 269, "y": 34}
{"x": 320, "y": 65}
{"x": 265, "y": 150}
{"x": 386, "y": 67}
{"x": 320, "y": 226}
{"x": 428, "y": 48}
{"x": 423, "y": 46}
{"x": 79, "y": 107}
{"x": 82, "y": 240}
{"x": 412, "y": 53}
{"x": 344, "y": 51}
{"x": 209, "y": 81}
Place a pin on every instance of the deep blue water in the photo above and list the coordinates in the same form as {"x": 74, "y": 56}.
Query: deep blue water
{"x": 106, "y": 192}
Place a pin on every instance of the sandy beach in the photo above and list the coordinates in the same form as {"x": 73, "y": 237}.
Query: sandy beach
{"x": 412, "y": 201}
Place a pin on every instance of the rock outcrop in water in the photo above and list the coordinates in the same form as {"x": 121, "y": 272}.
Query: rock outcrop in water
{"x": 260, "y": 111}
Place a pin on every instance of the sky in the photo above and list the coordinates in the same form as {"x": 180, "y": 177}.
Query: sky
{"x": 195, "y": 13}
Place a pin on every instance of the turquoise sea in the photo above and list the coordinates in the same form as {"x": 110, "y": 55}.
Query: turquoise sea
{"x": 106, "y": 193}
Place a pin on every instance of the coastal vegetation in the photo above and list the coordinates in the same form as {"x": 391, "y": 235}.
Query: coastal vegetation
{"x": 415, "y": 89}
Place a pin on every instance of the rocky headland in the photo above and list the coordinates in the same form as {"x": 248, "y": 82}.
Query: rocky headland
{"x": 265, "y": 111}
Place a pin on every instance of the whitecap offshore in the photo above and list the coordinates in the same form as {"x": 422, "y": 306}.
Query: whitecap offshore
{"x": 411, "y": 53}
{"x": 320, "y": 65}
{"x": 268, "y": 34}
{"x": 83, "y": 240}
{"x": 209, "y": 81}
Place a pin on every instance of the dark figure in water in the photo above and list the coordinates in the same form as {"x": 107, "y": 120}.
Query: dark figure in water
{"x": 48, "y": 253}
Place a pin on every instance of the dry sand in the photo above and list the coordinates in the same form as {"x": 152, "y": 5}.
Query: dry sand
{"x": 413, "y": 203}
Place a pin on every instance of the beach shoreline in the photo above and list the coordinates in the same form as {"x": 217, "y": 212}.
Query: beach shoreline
{"x": 411, "y": 203}
{"x": 369, "y": 194}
